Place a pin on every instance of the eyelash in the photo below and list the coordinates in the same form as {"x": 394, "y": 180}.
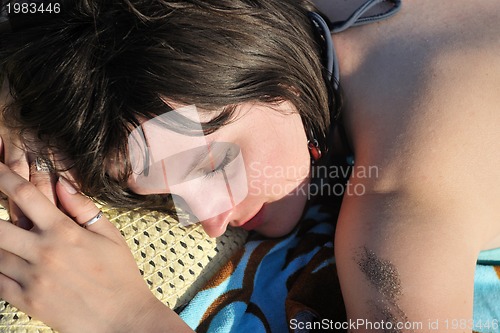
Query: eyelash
{"x": 221, "y": 167}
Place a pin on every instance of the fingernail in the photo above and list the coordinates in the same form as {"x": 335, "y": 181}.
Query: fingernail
{"x": 67, "y": 185}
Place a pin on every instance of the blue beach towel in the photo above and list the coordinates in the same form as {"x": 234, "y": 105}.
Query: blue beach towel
{"x": 274, "y": 285}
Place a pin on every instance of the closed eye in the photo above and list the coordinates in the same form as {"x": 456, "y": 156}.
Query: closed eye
{"x": 228, "y": 157}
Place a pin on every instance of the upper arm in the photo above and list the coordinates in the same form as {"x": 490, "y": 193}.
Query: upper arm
{"x": 403, "y": 258}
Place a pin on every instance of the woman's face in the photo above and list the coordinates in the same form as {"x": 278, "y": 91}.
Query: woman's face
{"x": 251, "y": 173}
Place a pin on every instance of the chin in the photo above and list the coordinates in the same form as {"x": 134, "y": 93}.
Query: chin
{"x": 282, "y": 218}
{"x": 276, "y": 229}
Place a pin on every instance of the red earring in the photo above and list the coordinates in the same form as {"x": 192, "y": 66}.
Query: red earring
{"x": 314, "y": 150}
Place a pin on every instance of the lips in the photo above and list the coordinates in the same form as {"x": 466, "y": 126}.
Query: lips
{"x": 255, "y": 221}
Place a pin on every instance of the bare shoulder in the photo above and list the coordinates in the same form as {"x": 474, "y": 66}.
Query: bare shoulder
{"x": 426, "y": 91}
{"x": 423, "y": 105}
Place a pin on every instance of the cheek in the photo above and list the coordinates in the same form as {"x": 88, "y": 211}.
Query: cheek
{"x": 219, "y": 193}
{"x": 132, "y": 185}
{"x": 284, "y": 214}
{"x": 275, "y": 177}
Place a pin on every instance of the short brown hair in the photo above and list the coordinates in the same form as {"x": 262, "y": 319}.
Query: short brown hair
{"x": 81, "y": 78}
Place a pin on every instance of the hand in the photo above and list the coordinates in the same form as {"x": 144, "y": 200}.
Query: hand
{"x": 73, "y": 279}
{"x": 18, "y": 160}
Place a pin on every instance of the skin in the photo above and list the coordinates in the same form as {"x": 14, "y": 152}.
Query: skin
{"x": 268, "y": 183}
{"x": 19, "y": 161}
{"x": 32, "y": 279}
{"x": 431, "y": 130}
{"x": 43, "y": 275}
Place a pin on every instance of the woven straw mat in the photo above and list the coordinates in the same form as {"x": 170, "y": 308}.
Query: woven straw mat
{"x": 175, "y": 261}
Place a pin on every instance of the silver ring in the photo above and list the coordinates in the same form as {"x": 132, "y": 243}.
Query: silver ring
{"x": 43, "y": 164}
{"x": 92, "y": 220}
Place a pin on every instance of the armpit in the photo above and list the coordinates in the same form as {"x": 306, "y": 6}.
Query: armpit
{"x": 383, "y": 276}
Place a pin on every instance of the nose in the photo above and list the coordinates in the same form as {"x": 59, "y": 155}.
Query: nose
{"x": 216, "y": 226}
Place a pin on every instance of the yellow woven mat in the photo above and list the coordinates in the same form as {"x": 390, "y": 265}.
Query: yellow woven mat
{"x": 175, "y": 261}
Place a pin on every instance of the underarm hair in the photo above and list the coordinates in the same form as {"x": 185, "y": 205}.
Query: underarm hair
{"x": 383, "y": 276}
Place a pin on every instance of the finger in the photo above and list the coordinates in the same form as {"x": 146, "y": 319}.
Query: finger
{"x": 18, "y": 218}
{"x": 16, "y": 159}
{"x": 83, "y": 210}
{"x": 13, "y": 266}
{"x": 31, "y": 201}
{"x": 11, "y": 291}
{"x": 43, "y": 179}
{"x": 17, "y": 241}
{"x": 65, "y": 170}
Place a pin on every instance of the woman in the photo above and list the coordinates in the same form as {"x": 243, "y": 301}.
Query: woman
{"x": 420, "y": 101}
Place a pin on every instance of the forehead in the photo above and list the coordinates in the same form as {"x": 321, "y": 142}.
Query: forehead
{"x": 168, "y": 134}
{"x": 172, "y": 132}
{"x": 185, "y": 127}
